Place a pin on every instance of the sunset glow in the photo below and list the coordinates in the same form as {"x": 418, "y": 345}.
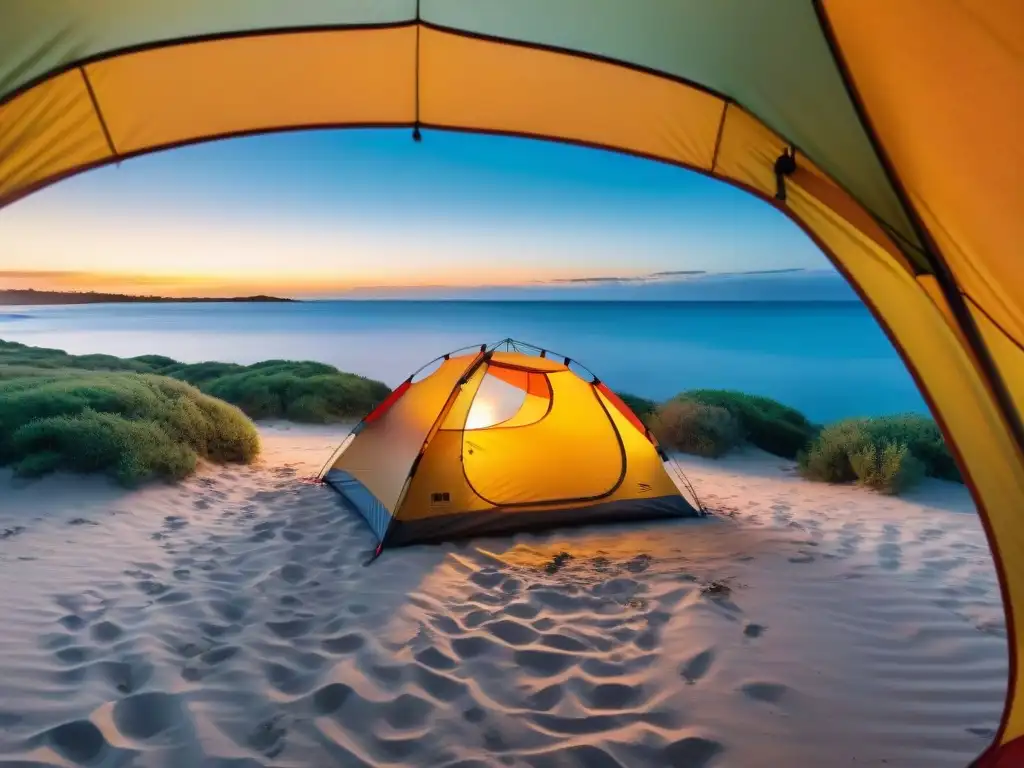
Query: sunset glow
{"x": 327, "y": 213}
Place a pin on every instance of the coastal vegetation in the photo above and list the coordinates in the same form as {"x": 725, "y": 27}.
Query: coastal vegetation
{"x": 273, "y": 389}
{"x": 131, "y": 426}
{"x": 155, "y": 417}
{"x": 887, "y": 453}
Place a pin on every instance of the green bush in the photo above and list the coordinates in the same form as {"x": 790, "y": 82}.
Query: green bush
{"x": 130, "y": 426}
{"x": 923, "y": 439}
{"x": 891, "y": 469}
{"x": 641, "y": 406}
{"x": 697, "y": 428}
{"x": 300, "y": 391}
{"x": 770, "y": 425}
{"x": 888, "y": 453}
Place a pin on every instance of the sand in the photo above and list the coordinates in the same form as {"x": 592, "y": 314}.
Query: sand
{"x": 230, "y": 621}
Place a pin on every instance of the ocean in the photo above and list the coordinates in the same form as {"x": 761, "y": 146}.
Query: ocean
{"x": 828, "y": 359}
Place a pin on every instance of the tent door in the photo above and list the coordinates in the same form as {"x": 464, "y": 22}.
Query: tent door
{"x": 572, "y": 453}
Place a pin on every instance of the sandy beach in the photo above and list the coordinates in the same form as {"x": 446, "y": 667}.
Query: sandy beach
{"x": 231, "y": 621}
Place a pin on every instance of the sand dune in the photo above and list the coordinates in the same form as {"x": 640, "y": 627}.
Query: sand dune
{"x": 231, "y": 622}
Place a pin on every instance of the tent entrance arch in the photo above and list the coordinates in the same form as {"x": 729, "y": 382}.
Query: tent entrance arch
{"x": 907, "y": 146}
{"x": 561, "y": 414}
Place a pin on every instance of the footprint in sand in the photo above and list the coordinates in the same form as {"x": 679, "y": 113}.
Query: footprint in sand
{"x": 268, "y": 737}
{"x": 803, "y": 557}
{"x": 771, "y": 693}
{"x": 105, "y": 632}
{"x": 512, "y": 632}
{"x": 347, "y": 643}
{"x": 698, "y": 666}
{"x": 127, "y": 676}
{"x": 890, "y": 556}
{"x": 293, "y": 573}
{"x": 79, "y": 741}
{"x": 692, "y": 752}
{"x": 615, "y": 696}
{"x": 72, "y": 622}
{"x": 754, "y": 630}
{"x": 143, "y": 716}
{"x": 544, "y": 663}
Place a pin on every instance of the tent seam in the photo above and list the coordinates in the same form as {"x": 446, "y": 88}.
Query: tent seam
{"x": 718, "y": 136}
{"x": 99, "y": 113}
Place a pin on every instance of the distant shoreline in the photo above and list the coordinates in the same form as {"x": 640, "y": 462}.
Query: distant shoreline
{"x": 32, "y": 297}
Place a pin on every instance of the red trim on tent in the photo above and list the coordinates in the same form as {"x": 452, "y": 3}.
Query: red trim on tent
{"x": 624, "y": 409}
{"x": 1009, "y": 755}
{"x": 390, "y": 400}
{"x": 532, "y": 383}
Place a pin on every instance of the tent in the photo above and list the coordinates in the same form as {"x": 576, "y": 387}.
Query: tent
{"x": 889, "y": 130}
{"x": 498, "y": 439}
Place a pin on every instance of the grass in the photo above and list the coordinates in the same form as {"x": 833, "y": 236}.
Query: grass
{"x": 888, "y": 454}
{"x": 133, "y": 427}
{"x": 297, "y": 391}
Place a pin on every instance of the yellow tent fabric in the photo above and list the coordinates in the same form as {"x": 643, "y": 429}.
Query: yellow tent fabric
{"x": 889, "y": 130}
{"x": 496, "y": 441}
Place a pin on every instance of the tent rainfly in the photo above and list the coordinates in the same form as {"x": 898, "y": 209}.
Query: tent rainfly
{"x": 493, "y": 441}
{"x": 889, "y": 130}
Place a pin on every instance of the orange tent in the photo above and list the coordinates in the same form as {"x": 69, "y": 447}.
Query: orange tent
{"x": 501, "y": 438}
{"x": 889, "y": 130}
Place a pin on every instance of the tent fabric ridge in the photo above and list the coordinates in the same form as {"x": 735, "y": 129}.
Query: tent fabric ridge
{"x": 941, "y": 270}
{"x": 212, "y": 37}
{"x": 99, "y": 113}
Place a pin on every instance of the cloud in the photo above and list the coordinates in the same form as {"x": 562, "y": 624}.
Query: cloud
{"x": 668, "y": 276}
{"x": 589, "y": 280}
{"x": 787, "y": 271}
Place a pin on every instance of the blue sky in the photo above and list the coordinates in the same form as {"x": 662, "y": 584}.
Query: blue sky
{"x": 371, "y": 212}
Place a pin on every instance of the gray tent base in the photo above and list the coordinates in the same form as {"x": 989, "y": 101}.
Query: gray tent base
{"x": 498, "y": 520}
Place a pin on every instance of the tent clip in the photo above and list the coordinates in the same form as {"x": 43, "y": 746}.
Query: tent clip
{"x": 785, "y": 165}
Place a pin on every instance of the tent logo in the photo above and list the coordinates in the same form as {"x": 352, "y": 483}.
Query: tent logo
{"x": 643, "y": 487}
{"x": 440, "y": 498}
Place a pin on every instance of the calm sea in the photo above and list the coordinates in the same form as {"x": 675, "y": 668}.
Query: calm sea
{"x": 830, "y": 360}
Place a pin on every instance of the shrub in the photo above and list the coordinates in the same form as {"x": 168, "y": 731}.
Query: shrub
{"x": 698, "y": 428}
{"x": 641, "y": 406}
{"x": 888, "y": 453}
{"x": 923, "y": 439}
{"x": 297, "y": 390}
{"x": 130, "y": 426}
{"x": 766, "y": 423}
{"x": 891, "y": 469}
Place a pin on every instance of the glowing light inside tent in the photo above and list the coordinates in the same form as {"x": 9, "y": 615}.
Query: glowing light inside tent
{"x": 481, "y": 414}
{"x": 495, "y": 402}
